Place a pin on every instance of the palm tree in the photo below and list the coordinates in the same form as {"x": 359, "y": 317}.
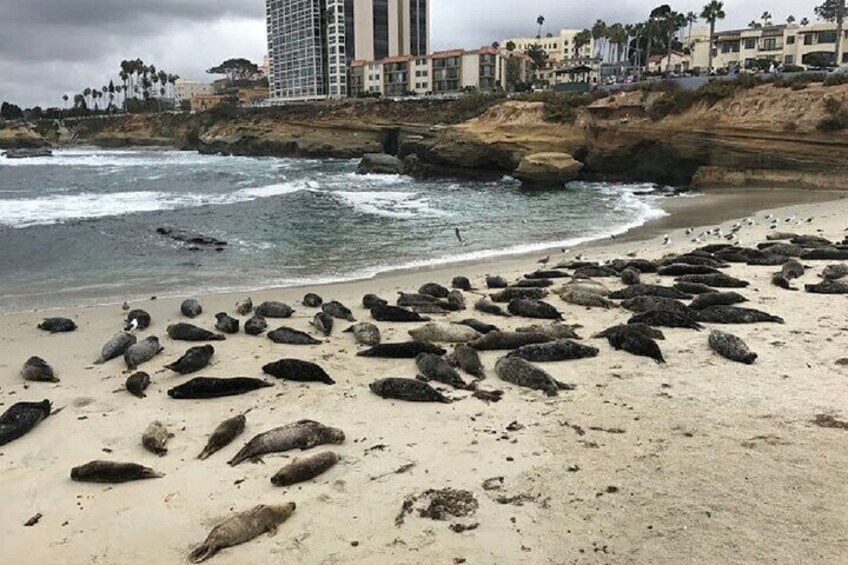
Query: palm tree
{"x": 834, "y": 11}
{"x": 541, "y": 21}
{"x": 754, "y": 24}
{"x": 581, "y": 40}
{"x": 674, "y": 21}
{"x": 804, "y": 22}
{"x": 691, "y": 19}
{"x": 599, "y": 31}
{"x": 86, "y": 93}
{"x": 766, "y": 18}
{"x": 65, "y": 98}
{"x": 713, "y": 12}
{"x": 790, "y": 20}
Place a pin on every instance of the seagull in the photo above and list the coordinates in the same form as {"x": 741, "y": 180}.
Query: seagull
{"x": 666, "y": 240}
{"x": 131, "y": 326}
{"x": 544, "y": 260}
{"x": 689, "y": 231}
{"x": 578, "y": 257}
{"x": 125, "y": 306}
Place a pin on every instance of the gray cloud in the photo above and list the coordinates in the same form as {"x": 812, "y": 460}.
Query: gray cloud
{"x": 52, "y": 47}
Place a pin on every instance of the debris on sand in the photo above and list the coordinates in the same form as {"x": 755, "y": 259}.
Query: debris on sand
{"x": 488, "y": 395}
{"x": 828, "y": 421}
{"x": 439, "y": 504}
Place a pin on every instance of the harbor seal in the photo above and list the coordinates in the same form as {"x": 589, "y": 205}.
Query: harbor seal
{"x": 467, "y": 359}
{"x": 226, "y": 323}
{"x": 409, "y": 299}
{"x": 735, "y": 315}
{"x": 636, "y": 343}
{"x": 644, "y": 329}
{"x": 193, "y": 360}
{"x": 593, "y": 271}
{"x": 716, "y": 280}
{"x": 242, "y": 528}
{"x": 323, "y": 322}
{"x": 365, "y": 333}
{"x": 410, "y": 390}
{"x": 828, "y": 286}
{"x": 510, "y": 294}
{"x": 495, "y": 341}
{"x": 20, "y": 419}
{"x": 369, "y": 301}
{"x": 390, "y": 313}
{"x": 677, "y": 270}
{"x": 298, "y": 371}
{"x": 189, "y": 332}
{"x": 36, "y": 369}
{"x": 256, "y": 325}
{"x": 647, "y": 303}
{"x": 583, "y": 285}
{"x": 731, "y": 347}
{"x": 649, "y": 290}
{"x": 456, "y": 299}
{"x": 305, "y": 469}
{"x": 201, "y": 388}
{"x": 155, "y": 438}
{"x": 405, "y": 350}
{"x": 826, "y": 254}
{"x": 535, "y": 309}
{"x": 835, "y": 271}
{"x": 312, "y": 300}
{"x": 665, "y": 319}
{"x": 716, "y": 299}
{"x": 115, "y": 347}
{"x": 137, "y": 383}
{"x": 223, "y": 434}
{"x": 533, "y": 283}
{"x": 142, "y": 352}
{"x": 631, "y": 276}
{"x": 462, "y": 283}
{"x": 547, "y": 274}
{"x": 553, "y": 331}
{"x": 559, "y": 350}
{"x": 444, "y": 333}
{"x": 302, "y": 435}
{"x": 274, "y": 309}
{"x": 489, "y": 307}
{"x": 111, "y": 472}
{"x": 57, "y": 325}
{"x": 493, "y": 281}
{"x": 433, "y": 289}
{"x": 523, "y": 373}
{"x": 779, "y": 280}
{"x": 434, "y": 368}
{"x": 137, "y": 320}
{"x": 289, "y": 336}
{"x": 587, "y": 299}
{"x": 693, "y": 288}
{"x": 477, "y": 325}
{"x": 244, "y": 307}
{"x": 191, "y": 308}
{"x": 338, "y": 310}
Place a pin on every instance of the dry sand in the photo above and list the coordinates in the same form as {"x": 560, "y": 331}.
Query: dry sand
{"x": 697, "y": 461}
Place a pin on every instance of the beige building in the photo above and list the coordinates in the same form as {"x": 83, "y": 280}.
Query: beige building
{"x": 187, "y": 89}
{"x": 558, "y": 47}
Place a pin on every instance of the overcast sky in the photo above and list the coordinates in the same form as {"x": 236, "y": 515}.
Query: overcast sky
{"x": 52, "y": 47}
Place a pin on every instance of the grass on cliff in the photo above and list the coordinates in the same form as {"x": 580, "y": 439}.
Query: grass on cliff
{"x": 837, "y": 115}
{"x": 676, "y": 101}
{"x": 559, "y": 107}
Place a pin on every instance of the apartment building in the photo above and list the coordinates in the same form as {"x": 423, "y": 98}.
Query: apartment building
{"x": 312, "y": 42}
{"x": 186, "y": 89}
{"x": 559, "y": 47}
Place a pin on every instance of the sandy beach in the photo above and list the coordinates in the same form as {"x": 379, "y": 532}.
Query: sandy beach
{"x": 700, "y": 460}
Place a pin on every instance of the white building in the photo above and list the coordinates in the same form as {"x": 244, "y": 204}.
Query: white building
{"x": 559, "y": 47}
{"x": 184, "y": 89}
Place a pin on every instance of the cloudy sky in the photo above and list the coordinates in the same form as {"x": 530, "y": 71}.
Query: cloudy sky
{"x": 52, "y": 47}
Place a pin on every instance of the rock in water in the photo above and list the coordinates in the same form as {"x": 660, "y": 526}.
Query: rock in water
{"x": 289, "y": 336}
{"x": 467, "y": 359}
{"x": 530, "y": 308}
{"x": 434, "y": 368}
{"x": 410, "y": 390}
{"x": 389, "y": 313}
{"x": 226, "y": 323}
{"x": 444, "y": 333}
{"x": 312, "y": 300}
{"x": 191, "y": 308}
{"x": 57, "y": 325}
{"x": 298, "y": 371}
{"x": 193, "y": 360}
{"x": 560, "y": 350}
{"x": 636, "y": 343}
{"x": 242, "y": 528}
{"x": 206, "y": 387}
{"x": 142, "y": 352}
{"x": 244, "y": 307}
{"x": 274, "y": 309}
{"x": 338, "y": 310}
{"x": 735, "y": 315}
{"x": 111, "y": 472}
{"x": 303, "y": 434}
{"x": 405, "y": 350}
{"x": 137, "y": 383}
{"x": 20, "y": 418}
{"x": 115, "y": 347}
{"x": 255, "y": 325}
{"x": 189, "y": 332}
{"x": 223, "y": 435}
{"x": 305, "y": 469}
{"x": 37, "y": 369}
{"x": 731, "y": 347}
{"x": 523, "y": 373}
{"x": 155, "y": 438}
{"x": 365, "y": 333}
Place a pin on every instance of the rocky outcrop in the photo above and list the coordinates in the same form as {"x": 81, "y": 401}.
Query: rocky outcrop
{"x": 547, "y": 170}
{"x": 18, "y": 136}
{"x": 380, "y": 164}
{"x": 720, "y": 177}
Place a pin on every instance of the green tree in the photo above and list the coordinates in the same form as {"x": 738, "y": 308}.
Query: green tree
{"x": 9, "y": 111}
{"x": 766, "y": 18}
{"x": 599, "y": 31}
{"x": 711, "y": 13}
{"x": 834, "y": 11}
{"x": 541, "y": 21}
{"x": 513, "y": 73}
{"x": 65, "y": 98}
{"x": 691, "y": 19}
{"x": 510, "y": 46}
{"x": 581, "y": 40}
{"x": 235, "y": 70}
{"x": 804, "y": 22}
{"x": 538, "y": 55}
{"x": 790, "y": 20}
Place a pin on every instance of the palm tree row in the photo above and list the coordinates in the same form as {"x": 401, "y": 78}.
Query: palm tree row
{"x": 138, "y": 82}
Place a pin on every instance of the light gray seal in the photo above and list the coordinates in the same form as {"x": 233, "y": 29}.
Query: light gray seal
{"x": 444, "y": 333}
{"x": 155, "y": 438}
{"x": 365, "y": 333}
{"x": 142, "y": 352}
{"x": 305, "y": 469}
{"x": 242, "y": 528}
{"x": 191, "y": 308}
{"x": 37, "y": 369}
{"x": 115, "y": 347}
{"x": 223, "y": 434}
{"x": 303, "y": 434}
{"x": 731, "y": 347}
{"x": 523, "y": 373}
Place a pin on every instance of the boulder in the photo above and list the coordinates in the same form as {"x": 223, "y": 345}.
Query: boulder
{"x": 380, "y": 164}
{"x": 547, "y": 169}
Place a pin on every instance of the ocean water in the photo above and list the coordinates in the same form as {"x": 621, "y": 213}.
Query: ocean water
{"x": 80, "y": 227}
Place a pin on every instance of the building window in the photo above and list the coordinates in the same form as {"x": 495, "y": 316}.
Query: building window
{"x": 381, "y": 29}
{"x": 827, "y": 37}
{"x": 750, "y": 43}
{"x": 769, "y": 44}
{"x": 808, "y": 39}
{"x": 790, "y": 40}
{"x": 789, "y": 60}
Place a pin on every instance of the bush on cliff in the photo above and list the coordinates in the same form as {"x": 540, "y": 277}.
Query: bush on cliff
{"x": 473, "y": 105}
{"x": 837, "y": 115}
{"x": 559, "y": 107}
{"x": 836, "y": 79}
{"x": 678, "y": 101}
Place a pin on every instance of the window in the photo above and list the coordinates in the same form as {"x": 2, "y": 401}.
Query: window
{"x": 790, "y": 40}
{"x": 827, "y": 37}
{"x": 750, "y": 43}
{"x": 789, "y": 60}
{"x": 808, "y": 39}
{"x": 769, "y": 44}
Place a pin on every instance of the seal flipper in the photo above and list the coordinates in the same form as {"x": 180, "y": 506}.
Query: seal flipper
{"x": 202, "y": 553}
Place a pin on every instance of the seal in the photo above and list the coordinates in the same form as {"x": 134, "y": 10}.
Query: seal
{"x": 137, "y": 320}
{"x": 303, "y": 435}
{"x": 189, "y": 332}
{"x": 462, "y": 283}
{"x": 142, "y": 352}
{"x": 583, "y": 285}
{"x": 826, "y": 254}
{"x": 677, "y": 270}
{"x": 244, "y": 307}
{"x": 835, "y": 271}
{"x": 434, "y": 290}
{"x": 828, "y": 286}
{"x": 489, "y": 307}
{"x": 665, "y": 319}
{"x": 650, "y": 290}
{"x": 409, "y": 299}
{"x": 223, "y": 434}
{"x": 780, "y": 280}
{"x": 112, "y": 472}
{"x": 274, "y": 309}
{"x": 560, "y": 350}
{"x": 535, "y": 309}
{"x": 20, "y": 419}
{"x": 510, "y": 294}
{"x": 444, "y": 333}
{"x": 731, "y": 347}
{"x": 404, "y": 350}
{"x": 636, "y": 343}
{"x": 693, "y": 288}
{"x": 226, "y": 323}
{"x": 716, "y": 280}
{"x": 523, "y": 373}
{"x": 784, "y": 249}
{"x": 365, "y": 333}
{"x": 410, "y": 390}
{"x": 57, "y": 325}
{"x": 644, "y": 329}
{"x": 305, "y": 469}
{"x": 191, "y": 308}
{"x": 201, "y": 388}
{"x": 193, "y": 360}
{"x": 242, "y": 528}
{"x": 312, "y": 300}
{"x": 255, "y": 325}
{"x": 456, "y": 298}
{"x": 477, "y": 325}
{"x": 137, "y": 383}
{"x": 496, "y": 282}
{"x": 547, "y": 274}
{"x": 338, "y": 310}
{"x": 389, "y": 313}
{"x": 767, "y": 260}
{"x": 553, "y": 331}
{"x": 587, "y": 299}
{"x": 371, "y": 300}
{"x": 533, "y": 283}
{"x": 289, "y": 336}
{"x": 434, "y": 368}
{"x": 735, "y": 315}
{"x": 647, "y": 303}
{"x": 592, "y": 271}
{"x": 716, "y": 299}
{"x": 495, "y": 341}
{"x": 37, "y": 369}
{"x": 115, "y": 347}
{"x": 467, "y": 359}
{"x": 631, "y": 276}
{"x": 155, "y": 438}
{"x": 298, "y": 371}
{"x": 323, "y": 322}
